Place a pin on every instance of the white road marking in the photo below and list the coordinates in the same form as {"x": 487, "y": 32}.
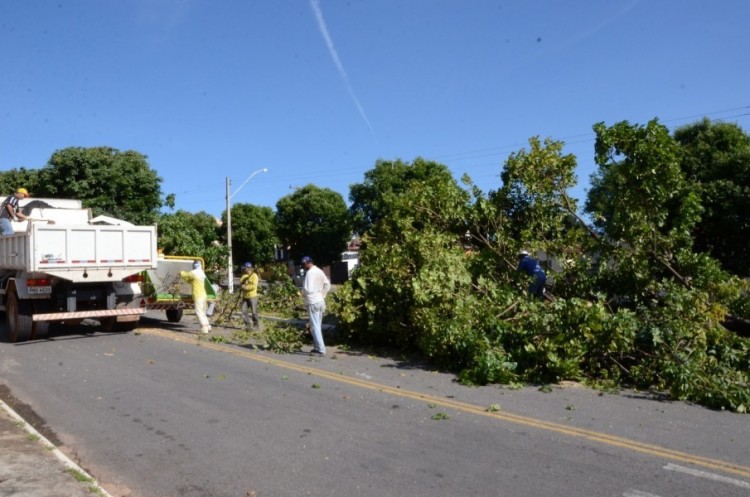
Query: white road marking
{"x": 707, "y": 475}
{"x": 637, "y": 493}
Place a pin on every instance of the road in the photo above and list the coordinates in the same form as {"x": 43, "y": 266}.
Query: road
{"x": 158, "y": 413}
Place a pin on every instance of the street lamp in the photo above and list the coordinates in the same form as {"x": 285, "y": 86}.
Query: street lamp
{"x": 230, "y": 273}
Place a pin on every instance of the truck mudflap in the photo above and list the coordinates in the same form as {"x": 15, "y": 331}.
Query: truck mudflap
{"x": 61, "y": 316}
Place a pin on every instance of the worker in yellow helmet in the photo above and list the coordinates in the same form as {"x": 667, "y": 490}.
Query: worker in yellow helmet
{"x": 197, "y": 280}
{"x": 11, "y": 212}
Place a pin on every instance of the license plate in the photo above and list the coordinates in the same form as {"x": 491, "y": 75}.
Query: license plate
{"x": 40, "y": 290}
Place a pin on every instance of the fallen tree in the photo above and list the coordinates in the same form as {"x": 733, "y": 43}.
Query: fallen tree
{"x": 635, "y": 305}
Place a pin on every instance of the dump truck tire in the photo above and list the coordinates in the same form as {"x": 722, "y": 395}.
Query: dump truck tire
{"x": 18, "y": 314}
{"x": 40, "y": 329}
{"x": 116, "y": 324}
{"x": 127, "y": 323}
{"x": 107, "y": 324}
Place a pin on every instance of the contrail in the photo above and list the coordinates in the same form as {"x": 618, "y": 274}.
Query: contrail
{"x": 582, "y": 36}
{"x": 315, "y": 4}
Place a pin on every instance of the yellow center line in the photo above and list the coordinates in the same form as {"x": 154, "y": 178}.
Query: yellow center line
{"x": 604, "y": 438}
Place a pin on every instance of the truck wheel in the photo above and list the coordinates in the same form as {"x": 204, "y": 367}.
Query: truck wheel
{"x": 20, "y": 324}
{"x": 126, "y": 325}
{"x": 110, "y": 324}
{"x": 40, "y": 329}
{"x": 174, "y": 315}
{"x": 107, "y": 324}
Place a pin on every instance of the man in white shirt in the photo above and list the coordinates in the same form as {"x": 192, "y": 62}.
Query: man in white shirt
{"x": 314, "y": 291}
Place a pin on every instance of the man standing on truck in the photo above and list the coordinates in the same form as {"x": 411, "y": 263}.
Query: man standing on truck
{"x": 197, "y": 280}
{"x": 10, "y": 211}
{"x": 249, "y": 286}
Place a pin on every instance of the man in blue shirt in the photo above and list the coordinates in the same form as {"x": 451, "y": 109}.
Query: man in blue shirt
{"x": 531, "y": 266}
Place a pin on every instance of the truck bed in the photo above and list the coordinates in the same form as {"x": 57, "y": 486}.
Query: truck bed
{"x": 79, "y": 252}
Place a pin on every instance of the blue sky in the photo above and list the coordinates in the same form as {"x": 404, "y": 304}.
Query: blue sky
{"x": 317, "y": 90}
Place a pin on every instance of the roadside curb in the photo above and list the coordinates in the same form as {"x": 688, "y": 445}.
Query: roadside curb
{"x": 301, "y": 322}
{"x": 47, "y": 445}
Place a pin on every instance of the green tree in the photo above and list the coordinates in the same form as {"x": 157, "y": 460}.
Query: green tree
{"x": 313, "y": 221}
{"x": 253, "y": 233}
{"x": 14, "y": 179}
{"x": 534, "y": 197}
{"x": 716, "y": 159}
{"x": 643, "y": 204}
{"x": 195, "y": 235}
{"x": 413, "y": 271}
{"x": 118, "y": 184}
{"x": 371, "y": 198}
{"x": 647, "y": 211}
{"x": 636, "y": 305}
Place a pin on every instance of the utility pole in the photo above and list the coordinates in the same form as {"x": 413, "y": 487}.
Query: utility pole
{"x": 230, "y": 269}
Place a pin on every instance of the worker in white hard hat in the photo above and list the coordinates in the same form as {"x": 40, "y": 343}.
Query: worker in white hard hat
{"x": 197, "y": 280}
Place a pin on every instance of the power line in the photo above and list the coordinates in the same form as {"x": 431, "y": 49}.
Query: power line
{"x": 184, "y": 197}
{"x": 694, "y": 116}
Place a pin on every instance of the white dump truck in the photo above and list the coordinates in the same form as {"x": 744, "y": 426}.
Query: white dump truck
{"x": 62, "y": 264}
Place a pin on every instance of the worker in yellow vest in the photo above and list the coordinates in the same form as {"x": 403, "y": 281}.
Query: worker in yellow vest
{"x": 249, "y": 287}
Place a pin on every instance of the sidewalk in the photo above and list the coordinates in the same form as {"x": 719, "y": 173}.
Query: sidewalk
{"x": 30, "y": 466}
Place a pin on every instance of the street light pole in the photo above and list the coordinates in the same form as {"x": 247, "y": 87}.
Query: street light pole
{"x": 230, "y": 272}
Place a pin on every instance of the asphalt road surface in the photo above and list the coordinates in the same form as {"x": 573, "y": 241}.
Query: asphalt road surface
{"x": 158, "y": 413}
